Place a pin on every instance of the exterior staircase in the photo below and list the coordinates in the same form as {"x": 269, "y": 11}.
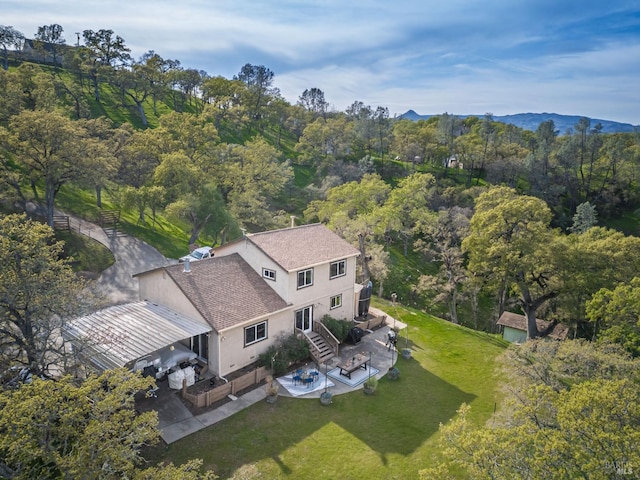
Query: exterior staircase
{"x": 320, "y": 349}
{"x": 323, "y": 346}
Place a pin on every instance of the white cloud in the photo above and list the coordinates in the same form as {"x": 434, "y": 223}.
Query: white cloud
{"x": 576, "y": 56}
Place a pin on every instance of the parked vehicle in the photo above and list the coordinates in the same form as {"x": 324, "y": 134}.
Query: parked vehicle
{"x": 198, "y": 254}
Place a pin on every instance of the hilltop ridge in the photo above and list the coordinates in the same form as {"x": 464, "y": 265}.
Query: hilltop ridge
{"x": 531, "y": 121}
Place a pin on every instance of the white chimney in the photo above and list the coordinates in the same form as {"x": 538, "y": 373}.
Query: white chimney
{"x": 187, "y": 266}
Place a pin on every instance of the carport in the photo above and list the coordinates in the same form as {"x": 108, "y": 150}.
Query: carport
{"x": 118, "y": 336}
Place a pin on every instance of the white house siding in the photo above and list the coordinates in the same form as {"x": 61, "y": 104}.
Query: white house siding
{"x": 258, "y": 260}
{"x": 233, "y": 355}
{"x": 286, "y": 284}
{"x": 323, "y": 288}
{"x": 158, "y": 287}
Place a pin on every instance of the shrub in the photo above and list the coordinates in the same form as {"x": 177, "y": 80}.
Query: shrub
{"x": 285, "y": 352}
{"x": 371, "y": 382}
{"x": 339, "y": 328}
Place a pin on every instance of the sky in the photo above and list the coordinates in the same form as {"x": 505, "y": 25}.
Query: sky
{"x": 572, "y": 57}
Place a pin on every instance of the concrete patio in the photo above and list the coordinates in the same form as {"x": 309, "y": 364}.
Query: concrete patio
{"x": 176, "y": 421}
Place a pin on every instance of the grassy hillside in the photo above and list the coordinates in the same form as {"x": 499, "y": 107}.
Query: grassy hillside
{"x": 392, "y": 434}
{"x": 170, "y": 237}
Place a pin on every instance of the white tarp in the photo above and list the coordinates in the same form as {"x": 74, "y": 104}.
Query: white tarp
{"x": 176, "y": 378}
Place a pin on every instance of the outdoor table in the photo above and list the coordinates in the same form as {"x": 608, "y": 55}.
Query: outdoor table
{"x": 350, "y": 366}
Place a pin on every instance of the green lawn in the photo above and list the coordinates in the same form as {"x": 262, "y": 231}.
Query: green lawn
{"x": 392, "y": 434}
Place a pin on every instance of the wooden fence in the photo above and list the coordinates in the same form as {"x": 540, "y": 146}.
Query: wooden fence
{"x": 205, "y": 399}
{"x": 371, "y": 323}
{"x": 61, "y": 222}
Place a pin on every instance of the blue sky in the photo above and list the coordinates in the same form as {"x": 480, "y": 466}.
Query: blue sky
{"x": 458, "y": 56}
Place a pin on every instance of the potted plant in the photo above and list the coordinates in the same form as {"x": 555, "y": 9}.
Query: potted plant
{"x": 272, "y": 389}
{"x": 370, "y": 385}
{"x": 326, "y": 398}
{"x": 394, "y": 373}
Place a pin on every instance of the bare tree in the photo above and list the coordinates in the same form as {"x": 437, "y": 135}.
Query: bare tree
{"x": 9, "y": 37}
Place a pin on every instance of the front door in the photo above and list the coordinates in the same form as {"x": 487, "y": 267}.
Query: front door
{"x": 304, "y": 317}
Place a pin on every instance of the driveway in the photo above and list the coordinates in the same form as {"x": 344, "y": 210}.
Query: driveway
{"x": 117, "y": 283}
{"x": 131, "y": 256}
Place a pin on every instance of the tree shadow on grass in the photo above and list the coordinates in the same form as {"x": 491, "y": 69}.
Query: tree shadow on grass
{"x": 396, "y": 420}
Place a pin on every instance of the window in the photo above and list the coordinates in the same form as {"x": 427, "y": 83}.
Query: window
{"x": 269, "y": 274}
{"x": 336, "y": 301}
{"x": 305, "y": 278}
{"x": 255, "y": 333}
{"x": 338, "y": 269}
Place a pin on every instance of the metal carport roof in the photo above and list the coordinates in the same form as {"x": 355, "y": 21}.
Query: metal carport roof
{"x": 119, "y": 335}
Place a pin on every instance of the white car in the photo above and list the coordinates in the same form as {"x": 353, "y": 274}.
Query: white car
{"x": 198, "y": 254}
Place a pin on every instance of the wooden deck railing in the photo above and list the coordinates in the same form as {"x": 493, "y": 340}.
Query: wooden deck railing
{"x": 325, "y": 333}
{"x": 371, "y": 323}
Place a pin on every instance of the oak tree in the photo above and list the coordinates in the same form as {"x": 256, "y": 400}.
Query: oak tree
{"x": 512, "y": 245}
{"x": 39, "y": 293}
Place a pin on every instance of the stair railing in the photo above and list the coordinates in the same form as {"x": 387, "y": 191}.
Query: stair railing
{"x": 324, "y": 332}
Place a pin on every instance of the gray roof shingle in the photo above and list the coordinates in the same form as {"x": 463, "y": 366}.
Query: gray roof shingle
{"x": 226, "y": 290}
{"x": 303, "y": 246}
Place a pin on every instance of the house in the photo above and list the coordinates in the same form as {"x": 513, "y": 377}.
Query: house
{"x": 253, "y": 291}
{"x": 38, "y": 51}
{"x": 514, "y": 328}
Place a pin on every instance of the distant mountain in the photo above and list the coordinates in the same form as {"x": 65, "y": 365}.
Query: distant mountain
{"x": 531, "y": 121}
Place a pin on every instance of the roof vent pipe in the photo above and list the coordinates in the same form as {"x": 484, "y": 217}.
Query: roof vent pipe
{"x": 187, "y": 266}
{"x": 293, "y": 221}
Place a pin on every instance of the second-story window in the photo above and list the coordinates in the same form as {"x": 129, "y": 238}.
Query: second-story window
{"x": 335, "y": 302}
{"x": 270, "y": 274}
{"x": 305, "y": 278}
{"x": 338, "y": 269}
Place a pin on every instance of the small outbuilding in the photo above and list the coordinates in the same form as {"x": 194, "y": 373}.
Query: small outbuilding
{"x": 514, "y": 328}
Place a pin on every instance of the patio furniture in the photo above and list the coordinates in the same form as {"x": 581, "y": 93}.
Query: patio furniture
{"x": 297, "y": 376}
{"x": 350, "y": 366}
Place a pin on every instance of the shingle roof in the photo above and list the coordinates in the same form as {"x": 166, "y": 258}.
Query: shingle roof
{"x": 519, "y": 322}
{"x": 304, "y": 246}
{"x": 226, "y": 290}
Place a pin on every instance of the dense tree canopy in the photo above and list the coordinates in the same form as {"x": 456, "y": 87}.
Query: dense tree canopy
{"x": 90, "y": 430}
{"x": 616, "y": 314}
{"x": 571, "y": 412}
{"x": 39, "y": 293}
{"x": 217, "y": 153}
{"x": 511, "y": 244}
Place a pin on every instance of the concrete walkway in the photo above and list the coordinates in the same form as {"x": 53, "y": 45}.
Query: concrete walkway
{"x": 117, "y": 283}
{"x": 177, "y": 422}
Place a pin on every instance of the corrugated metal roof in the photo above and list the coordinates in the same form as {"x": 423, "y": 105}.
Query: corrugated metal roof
{"x": 119, "y": 335}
